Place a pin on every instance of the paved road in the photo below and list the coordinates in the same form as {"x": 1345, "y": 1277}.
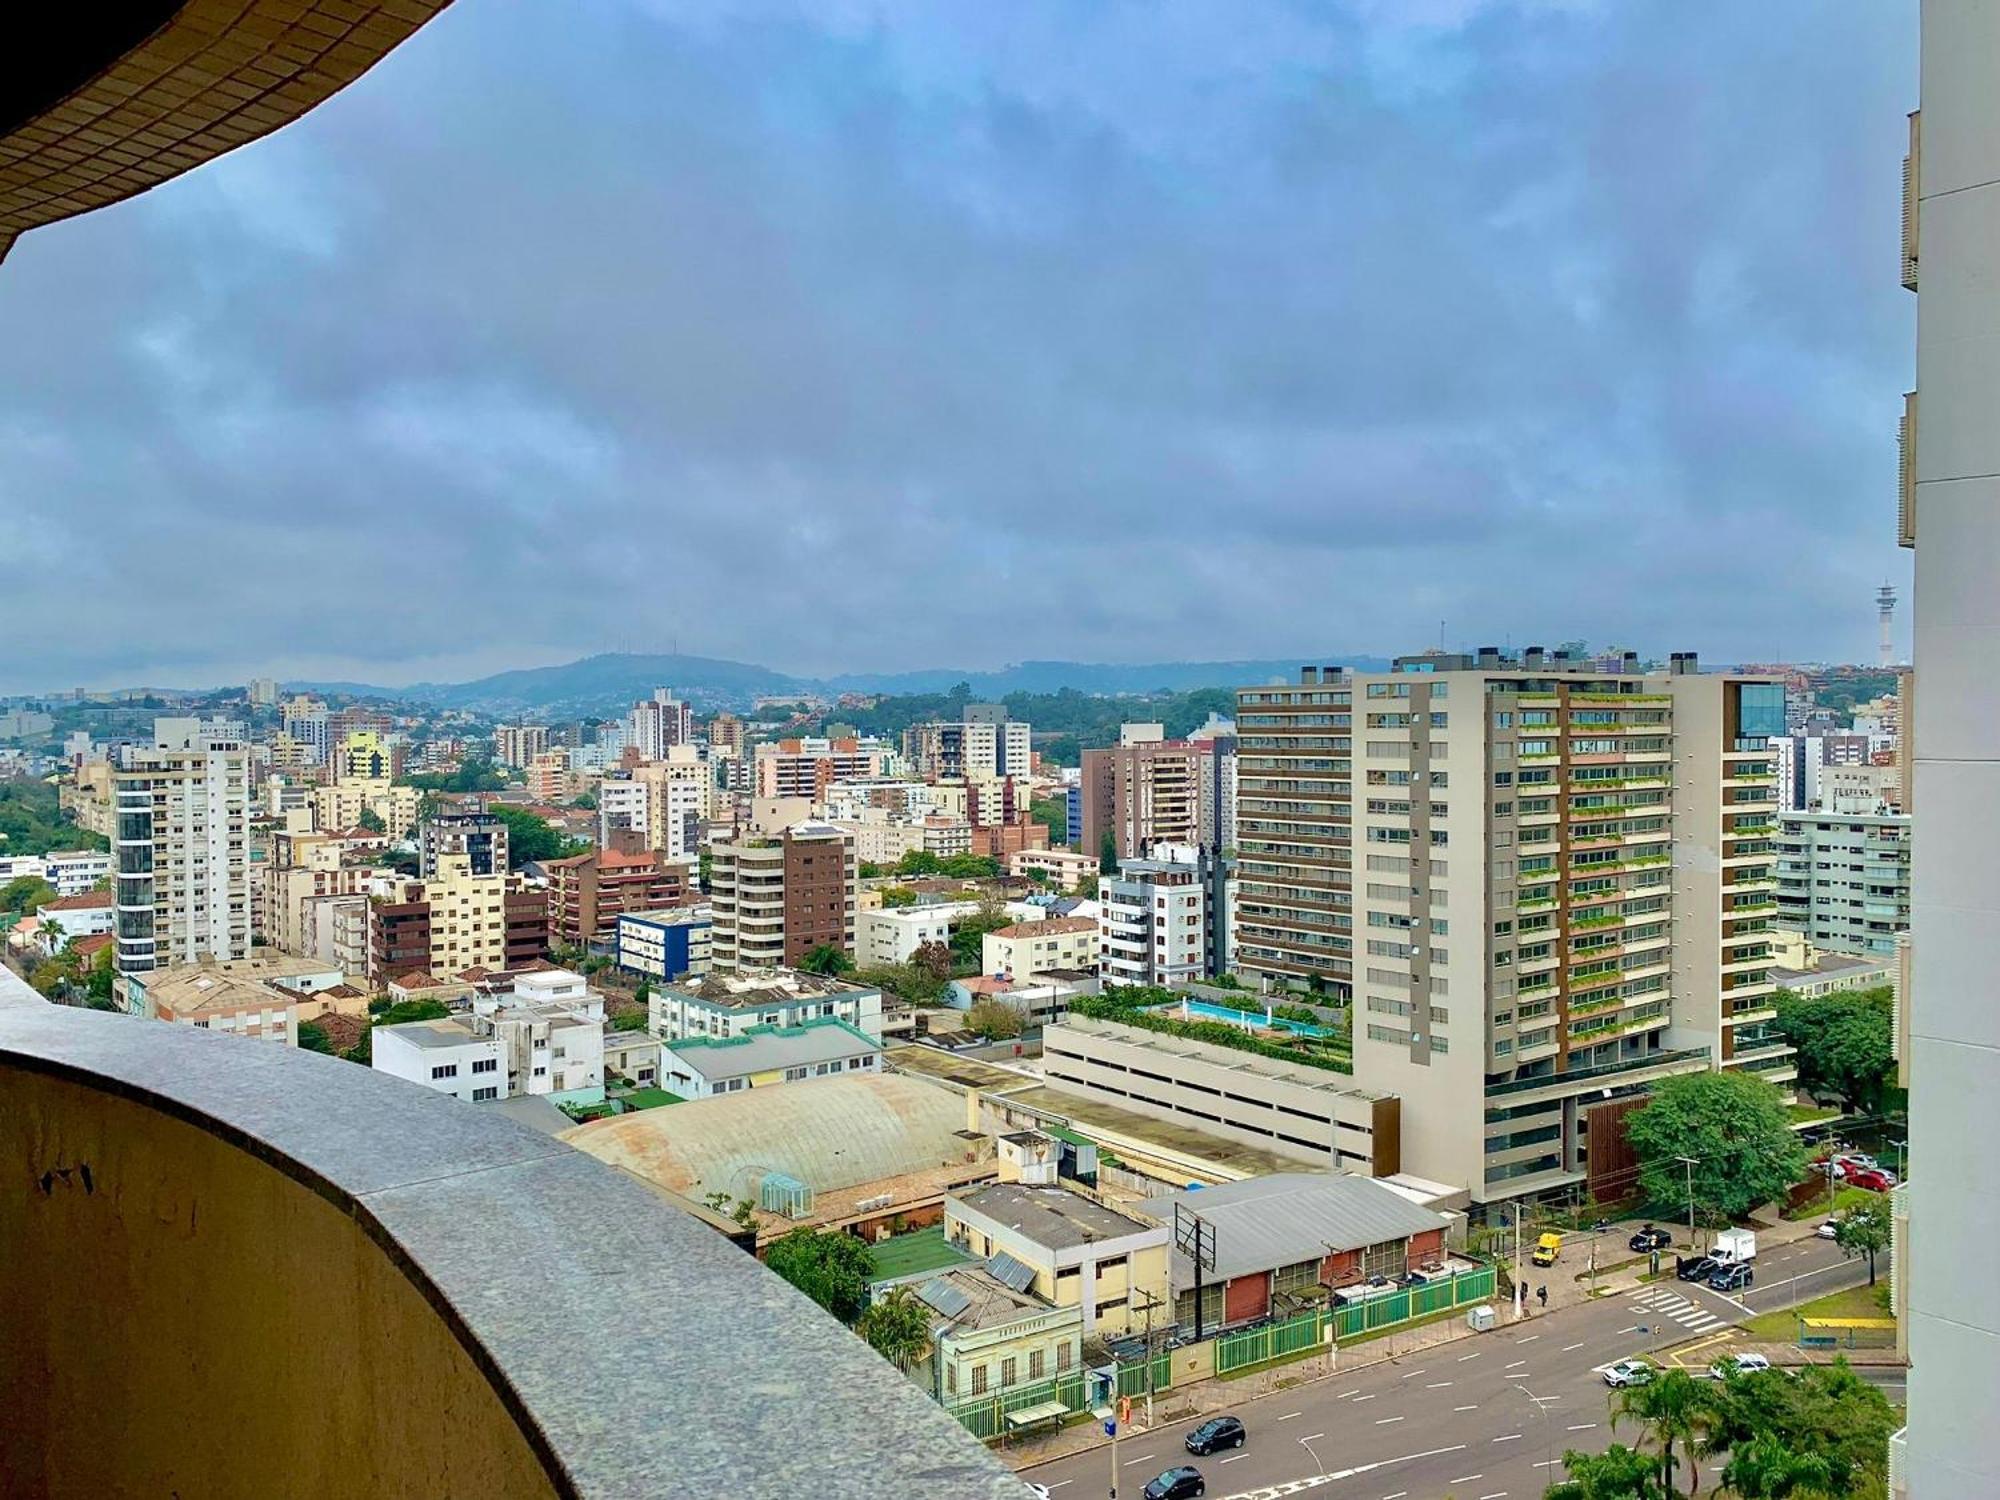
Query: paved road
{"x": 1480, "y": 1418}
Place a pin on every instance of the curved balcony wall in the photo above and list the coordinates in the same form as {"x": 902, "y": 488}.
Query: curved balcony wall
{"x": 242, "y": 1270}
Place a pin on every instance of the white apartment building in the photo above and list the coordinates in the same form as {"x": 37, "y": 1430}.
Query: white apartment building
{"x": 306, "y": 722}
{"x": 662, "y": 801}
{"x": 517, "y": 745}
{"x": 447, "y": 1055}
{"x": 1038, "y": 946}
{"x": 659, "y": 723}
{"x": 727, "y": 1005}
{"x": 1152, "y": 923}
{"x": 74, "y": 871}
{"x": 1063, "y": 867}
{"x": 1542, "y": 887}
{"x": 892, "y": 935}
{"x": 182, "y": 865}
{"x": 1844, "y": 879}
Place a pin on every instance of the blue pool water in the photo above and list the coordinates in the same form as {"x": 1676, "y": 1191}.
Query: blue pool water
{"x": 1203, "y": 1010}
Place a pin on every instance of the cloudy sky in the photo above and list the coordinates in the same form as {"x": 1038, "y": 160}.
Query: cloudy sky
{"x": 857, "y": 334}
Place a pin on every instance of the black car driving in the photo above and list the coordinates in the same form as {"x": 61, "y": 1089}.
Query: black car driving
{"x": 1651, "y": 1238}
{"x": 1694, "y": 1267}
{"x": 1217, "y": 1432}
{"x": 1182, "y": 1483}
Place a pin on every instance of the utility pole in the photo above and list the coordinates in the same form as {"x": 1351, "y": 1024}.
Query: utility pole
{"x": 1520, "y": 1287}
{"x": 1690, "y": 1162}
{"x": 1151, "y": 1303}
{"x": 1112, "y": 1423}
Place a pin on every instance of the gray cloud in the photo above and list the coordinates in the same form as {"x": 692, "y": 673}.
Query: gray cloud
{"x": 872, "y": 335}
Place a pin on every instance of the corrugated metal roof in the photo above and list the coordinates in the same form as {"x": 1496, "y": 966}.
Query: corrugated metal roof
{"x": 1265, "y": 1222}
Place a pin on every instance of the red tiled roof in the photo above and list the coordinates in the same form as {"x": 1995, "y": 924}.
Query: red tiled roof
{"x": 987, "y": 984}
{"x": 88, "y": 901}
{"x": 1049, "y": 928}
{"x": 97, "y": 942}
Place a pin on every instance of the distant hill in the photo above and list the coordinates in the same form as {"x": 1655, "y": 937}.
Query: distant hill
{"x": 611, "y": 682}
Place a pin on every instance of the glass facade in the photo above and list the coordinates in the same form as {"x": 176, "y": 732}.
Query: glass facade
{"x": 1760, "y": 710}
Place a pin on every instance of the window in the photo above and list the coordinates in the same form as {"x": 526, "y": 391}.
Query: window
{"x": 1037, "y": 1362}
{"x": 480, "y": 1096}
{"x": 951, "y": 1379}
{"x": 445, "y": 1070}
{"x": 1007, "y": 1368}
{"x": 484, "y": 1064}
{"x": 979, "y": 1380}
{"x": 1062, "y": 1357}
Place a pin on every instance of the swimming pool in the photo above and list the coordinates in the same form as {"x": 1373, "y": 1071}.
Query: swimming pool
{"x": 1204, "y": 1010}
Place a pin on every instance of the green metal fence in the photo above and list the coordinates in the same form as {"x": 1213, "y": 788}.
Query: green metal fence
{"x": 1269, "y": 1341}
{"x": 1400, "y": 1306}
{"x": 986, "y": 1416}
{"x": 1132, "y": 1377}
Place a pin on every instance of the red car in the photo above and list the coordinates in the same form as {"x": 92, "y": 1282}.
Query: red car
{"x": 1873, "y": 1181}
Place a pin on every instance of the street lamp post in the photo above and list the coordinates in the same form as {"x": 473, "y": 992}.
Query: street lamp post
{"x": 1690, "y": 1162}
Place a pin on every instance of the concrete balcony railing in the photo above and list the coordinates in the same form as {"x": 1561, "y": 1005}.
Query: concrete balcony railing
{"x": 234, "y": 1270}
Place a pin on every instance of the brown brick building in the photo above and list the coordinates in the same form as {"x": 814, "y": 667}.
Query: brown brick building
{"x": 589, "y": 892}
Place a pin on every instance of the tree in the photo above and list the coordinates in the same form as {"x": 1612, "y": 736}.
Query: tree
{"x": 898, "y": 1328}
{"x": 26, "y": 893}
{"x": 530, "y": 839}
{"x": 313, "y": 1038}
{"x": 631, "y": 1020}
{"x": 894, "y": 896}
{"x": 585, "y": 800}
{"x": 934, "y": 959}
{"x": 392, "y": 1014}
{"x": 1865, "y": 1229}
{"x": 919, "y": 862}
{"x": 372, "y": 821}
{"x": 1843, "y": 1043}
{"x": 1107, "y": 853}
{"x": 1734, "y": 1126}
{"x": 1053, "y": 814}
{"x": 1764, "y": 1468}
{"x": 1673, "y": 1408}
{"x": 1618, "y": 1473}
{"x": 827, "y": 959}
{"x": 830, "y": 1267}
{"x": 1825, "y": 1410}
{"x": 995, "y": 1020}
{"x": 869, "y": 870}
{"x": 103, "y": 977}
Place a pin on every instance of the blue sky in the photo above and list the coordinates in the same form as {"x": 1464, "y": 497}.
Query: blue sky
{"x": 860, "y": 335}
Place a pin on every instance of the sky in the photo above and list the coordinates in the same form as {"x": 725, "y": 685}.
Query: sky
{"x": 853, "y": 335}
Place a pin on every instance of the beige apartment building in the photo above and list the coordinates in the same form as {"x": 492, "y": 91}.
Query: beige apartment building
{"x": 1542, "y": 887}
{"x": 90, "y": 797}
{"x": 1024, "y": 948}
{"x": 1147, "y": 790}
{"x": 181, "y": 872}
{"x": 338, "y": 805}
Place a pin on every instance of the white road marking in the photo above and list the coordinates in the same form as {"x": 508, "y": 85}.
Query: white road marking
{"x": 1385, "y": 1421}
{"x": 1313, "y": 1438}
{"x": 1567, "y": 1347}
{"x": 1410, "y": 1373}
{"x": 1517, "y": 1364}
{"x": 1465, "y": 1478}
{"x": 1058, "y": 1484}
{"x": 1529, "y": 1339}
{"x": 1496, "y": 1495}
{"x": 1546, "y": 1463}
{"x": 1437, "y": 1385}
{"x": 1464, "y": 1357}
{"x": 1141, "y": 1459}
{"x": 1294, "y": 1486}
{"x": 1583, "y": 1427}
{"x": 1289, "y": 1415}
{"x": 1345, "y": 1394}
{"x": 1465, "y": 1408}
{"x": 1369, "y": 1397}
{"x": 1512, "y": 1437}
{"x": 1397, "y": 1496}
{"x": 1232, "y": 1458}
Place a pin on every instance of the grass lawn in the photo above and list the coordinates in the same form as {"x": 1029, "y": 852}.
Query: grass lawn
{"x": 1855, "y": 1302}
{"x": 1843, "y": 1199}
{"x": 1811, "y": 1114}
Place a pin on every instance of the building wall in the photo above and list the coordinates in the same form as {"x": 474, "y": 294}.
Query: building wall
{"x": 465, "y": 1072}
{"x": 1844, "y": 879}
{"x": 1955, "y": 906}
{"x": 181, "y": 847}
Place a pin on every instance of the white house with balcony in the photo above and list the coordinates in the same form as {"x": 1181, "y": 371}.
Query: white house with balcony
{"x": 446, "y": 1055}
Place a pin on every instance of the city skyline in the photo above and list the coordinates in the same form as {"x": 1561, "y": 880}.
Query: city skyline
{"x": 1373, "y": 316}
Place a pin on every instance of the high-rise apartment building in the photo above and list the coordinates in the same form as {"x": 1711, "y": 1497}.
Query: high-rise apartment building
{"x": 661, "y": 803}
{"x": 774, "y": 900}
{"x": 809, "y": 767}
{"x": 658, "y": 723}
{"x": 1844, "y": 879}
{"x": 1152, "y": 922}
{"x": 1542, "y": 888}
{"x": 454, "y": 921}
{"x": 725, "y": 732}
{"x": 1949, "y": 510}
{"x": 518, "y": 744}
{"x": 589, "y": 892}
{"x": 982, "y": 745}
{"x": 480, "y": 837}
{"x": 182, "y": 863}
{"x": 306, "y": 722}
{"x": 1148, "y": 790}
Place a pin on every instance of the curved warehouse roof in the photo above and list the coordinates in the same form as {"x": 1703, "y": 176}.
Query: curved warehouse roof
{"x": 829, "y": 1133}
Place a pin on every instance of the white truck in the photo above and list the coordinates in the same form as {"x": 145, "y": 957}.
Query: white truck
{"x": 1734, "y": 1247}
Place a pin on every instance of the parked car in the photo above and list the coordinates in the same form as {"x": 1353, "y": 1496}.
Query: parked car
{"x": 1547, "y": 1249}
{"x": 1739, "y": 1364}
{"x": 1693, "y": 1267}
{"x": 1039, "y": 1491}
{"x": 1650, "y": 1238}
{"x": 1731, "y": 1278}
{"x": 1874, "y": 1180}
{"x": 1628, "y": 1372}
{"x": 1829, "y": 1230}
{"x": 1176, "y": 1484}
{"x": 1217, "y": 1432}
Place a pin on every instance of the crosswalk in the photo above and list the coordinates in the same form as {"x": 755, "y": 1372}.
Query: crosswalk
{"x": 1692, "y": 1316}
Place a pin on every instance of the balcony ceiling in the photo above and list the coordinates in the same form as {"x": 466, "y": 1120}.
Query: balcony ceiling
{"x": 118, "y": 96}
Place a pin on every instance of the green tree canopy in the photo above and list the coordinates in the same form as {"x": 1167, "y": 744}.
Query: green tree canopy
{"x": 1825, "y": 1410}
{"x": 898, "y": 1328}
{"x": 1618, "y": 1473}
{"x": 1674, "y": 1410}
{"x": 1107, "y": 853}
{"x": 472, "y": 775}
{"x": 1053, "y": 814}
{"x": 26, "y": 893}
{"x": 393, "y": 1014}
{"x": 827, "y": 959}
{"x": 995, "y": 1020}
{"x": 313, "y": 1038}
{"x": 894, "y": 896}
{"x": 532, "y": 838}
{"x": 1844, "y": 1043}
{"x": 1733, "y": 1125}
{"x": 830, "y": 1267}
{"x": 1765, "y": 1469}
{"x": 1865, "y": 1229}
{"x": 372, "y": 821}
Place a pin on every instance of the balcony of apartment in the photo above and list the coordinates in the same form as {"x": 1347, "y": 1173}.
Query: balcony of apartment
{"x": 239, "y": 1270}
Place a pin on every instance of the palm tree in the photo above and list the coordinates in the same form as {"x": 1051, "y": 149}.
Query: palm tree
{"x": 898, "y": 1328}
{"x": 1765, "y": 1469}
{"x": 1619, "y": 1473}
{"x": 826, "y": 959}
{"x": 1675, "y": 1408}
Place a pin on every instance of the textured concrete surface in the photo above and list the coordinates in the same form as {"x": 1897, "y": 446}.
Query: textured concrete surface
{"x": 647, "y": 1355}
